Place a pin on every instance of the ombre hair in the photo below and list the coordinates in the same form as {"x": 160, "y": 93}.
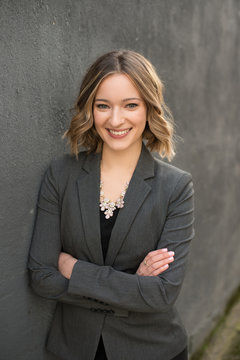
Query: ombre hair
{"x": 159, "y": 129}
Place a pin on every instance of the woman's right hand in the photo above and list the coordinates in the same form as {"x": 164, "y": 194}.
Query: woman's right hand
{"x": 155, "y": 262}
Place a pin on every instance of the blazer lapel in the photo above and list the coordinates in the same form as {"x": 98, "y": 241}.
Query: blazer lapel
{"x": 135, "y": 196}
{"x": 89, "y": 192}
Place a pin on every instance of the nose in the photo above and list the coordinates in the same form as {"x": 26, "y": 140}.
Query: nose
{"x": 116, "y": 118}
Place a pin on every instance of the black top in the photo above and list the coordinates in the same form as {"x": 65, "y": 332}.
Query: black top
{"x": 106, "y": 229}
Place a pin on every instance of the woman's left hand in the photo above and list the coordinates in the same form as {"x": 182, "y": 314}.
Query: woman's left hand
{"x": 156, "y": 262}
{"x": 66, "y": 263}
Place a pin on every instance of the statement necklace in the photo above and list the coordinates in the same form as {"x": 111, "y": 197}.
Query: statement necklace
{"x": 109, "y": 206}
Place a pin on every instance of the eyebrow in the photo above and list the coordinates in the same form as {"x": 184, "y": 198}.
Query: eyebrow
{"x": 127, "y": 99}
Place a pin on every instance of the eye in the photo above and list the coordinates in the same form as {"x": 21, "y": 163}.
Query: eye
{"x": 132, "y": 105}
{"x": 102, "y": 106}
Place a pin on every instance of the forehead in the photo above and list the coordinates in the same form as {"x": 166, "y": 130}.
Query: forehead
{"x": 117, "y": 85}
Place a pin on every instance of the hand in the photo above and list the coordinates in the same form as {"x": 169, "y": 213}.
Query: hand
{"x": 155, "y": 262}
{"x": 65, "y": 264}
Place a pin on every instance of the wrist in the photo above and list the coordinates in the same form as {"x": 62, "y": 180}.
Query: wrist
{"x": 71, "y": 264}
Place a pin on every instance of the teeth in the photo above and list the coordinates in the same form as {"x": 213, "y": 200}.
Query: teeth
{"x": 118, "y": 132}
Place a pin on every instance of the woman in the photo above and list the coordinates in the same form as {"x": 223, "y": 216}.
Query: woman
{"x": 114, "y": 224}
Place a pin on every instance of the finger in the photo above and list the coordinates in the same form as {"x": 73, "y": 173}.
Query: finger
{"x": 156, "y": 252}
{"x": 159, "y": 264}
{"x": 163, "y": 256}
{"x": 143, "y": 270}
{"x": 159, "y": 270}
{"x": 150, "y": 259}
{"x": 159, "y": 252}
{"x": 147, "y": 271}
{"x": 156, "y": 268}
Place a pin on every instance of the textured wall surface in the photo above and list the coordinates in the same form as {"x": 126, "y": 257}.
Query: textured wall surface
{"x": 45, "y": 48}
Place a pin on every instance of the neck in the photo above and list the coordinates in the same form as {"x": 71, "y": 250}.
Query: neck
{"x": 125, "y": 160}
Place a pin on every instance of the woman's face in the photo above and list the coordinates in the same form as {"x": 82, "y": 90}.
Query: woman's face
{"x": 119, "y": 113}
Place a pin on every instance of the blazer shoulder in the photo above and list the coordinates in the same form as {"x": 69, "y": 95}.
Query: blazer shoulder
{"x": 67, "y": 161}
{"x": 170, "y": 174}
{"x": 62, "y": 167}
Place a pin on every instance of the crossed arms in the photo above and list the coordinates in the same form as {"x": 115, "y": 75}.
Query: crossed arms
{"x": 59, "y": 276}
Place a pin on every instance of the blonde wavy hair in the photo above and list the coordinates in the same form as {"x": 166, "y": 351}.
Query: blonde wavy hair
{"x": 159, "y": 129}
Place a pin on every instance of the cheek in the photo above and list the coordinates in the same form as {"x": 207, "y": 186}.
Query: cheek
{"x": 141, "y": 118}
{"x": 97, "y": 118}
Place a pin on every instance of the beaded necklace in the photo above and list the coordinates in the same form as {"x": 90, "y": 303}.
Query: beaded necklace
{"x": 109, "y": 206}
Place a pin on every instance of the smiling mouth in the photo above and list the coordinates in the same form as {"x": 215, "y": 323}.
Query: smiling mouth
{"x": 119, "y": 132}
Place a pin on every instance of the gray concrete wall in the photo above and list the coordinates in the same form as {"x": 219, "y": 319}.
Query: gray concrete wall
{"x": 45, "y": 48}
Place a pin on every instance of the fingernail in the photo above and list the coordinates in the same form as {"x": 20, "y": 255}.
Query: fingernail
{"x": 164, "y": 250}
{"x": 171, "y": 258}
{"x": 171, "y": 253}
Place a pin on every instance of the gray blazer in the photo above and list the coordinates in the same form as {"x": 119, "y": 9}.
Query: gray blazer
{"x": 134, "y": 314}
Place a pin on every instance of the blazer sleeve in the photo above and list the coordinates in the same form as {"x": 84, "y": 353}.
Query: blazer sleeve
{"x": 145, "y": 293}
{"x": 45, "y": 279}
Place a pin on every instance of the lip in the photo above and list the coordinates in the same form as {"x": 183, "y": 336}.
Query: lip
{"x": 118, "y": 136}
{"x": 118, "y": 129}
